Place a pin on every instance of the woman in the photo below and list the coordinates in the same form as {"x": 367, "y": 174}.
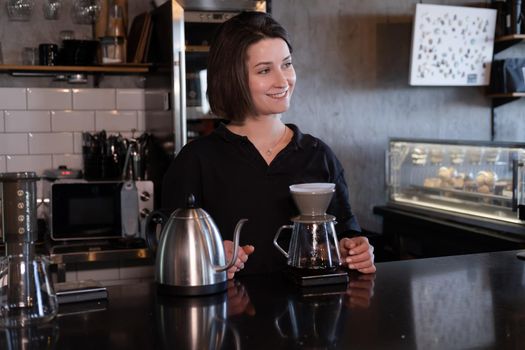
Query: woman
{"x": 243, "y": 169}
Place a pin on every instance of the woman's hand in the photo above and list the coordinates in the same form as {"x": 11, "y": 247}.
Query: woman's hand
{"x": 242, "y": 256}
{"x": 357, "y": 254}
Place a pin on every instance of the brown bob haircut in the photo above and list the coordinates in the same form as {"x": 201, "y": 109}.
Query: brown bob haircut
{"x": 228, "y": 89}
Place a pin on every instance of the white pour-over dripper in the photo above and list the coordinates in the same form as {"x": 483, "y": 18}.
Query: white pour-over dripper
{"x": 312, "y": 199}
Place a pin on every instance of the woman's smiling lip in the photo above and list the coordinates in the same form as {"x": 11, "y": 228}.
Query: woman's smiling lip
{"x": 279, "y": 94}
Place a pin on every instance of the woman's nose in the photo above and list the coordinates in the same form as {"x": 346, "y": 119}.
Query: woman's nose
{"x": 281, "y": 78}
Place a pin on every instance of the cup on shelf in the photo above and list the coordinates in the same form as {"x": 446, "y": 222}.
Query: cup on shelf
{"x": 29, "y": 56}
{"x": 52, "y": 9}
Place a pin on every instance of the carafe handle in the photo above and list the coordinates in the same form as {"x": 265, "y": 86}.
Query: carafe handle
{"x": 284, "y": 227}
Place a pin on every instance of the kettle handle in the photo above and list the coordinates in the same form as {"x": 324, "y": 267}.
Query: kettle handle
{"x": 158, "y": 217}
{"x": 284, "y": 227}
{"x": 236, "y": 235}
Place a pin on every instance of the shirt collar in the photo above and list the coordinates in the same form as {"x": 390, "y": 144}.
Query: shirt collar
{"x": 298, "y": 140}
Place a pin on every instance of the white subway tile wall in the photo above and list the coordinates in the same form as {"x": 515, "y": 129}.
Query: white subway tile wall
{"x": 130, "y": 99}
{"x": 94, "y": 99}
{"x": 116, "y": 120}
{"x": 41, "y": 128}
{"x": 49, "y": 143}
{"x": 13, "y": 144}
{"x": 73, "y": 121}
{"x": 141, "y": 122}
{"x": 28, "y": 163}
{"x": 77, "y": 142}
{"x": 72, "y": 161}
{"x": 13, "y": 98}
{"x": 27, "y": 121}
{"x": 49, "y": 99}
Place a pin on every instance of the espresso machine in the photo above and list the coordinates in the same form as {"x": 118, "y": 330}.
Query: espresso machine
{"x": 313, "y": 257}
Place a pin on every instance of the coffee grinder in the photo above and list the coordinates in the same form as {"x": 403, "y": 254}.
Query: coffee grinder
{"x": 313, "y": 257}
{"x": 26, "y": 291}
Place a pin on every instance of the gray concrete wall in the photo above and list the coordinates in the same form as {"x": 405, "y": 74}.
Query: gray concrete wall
{"x": 352, "y": 64}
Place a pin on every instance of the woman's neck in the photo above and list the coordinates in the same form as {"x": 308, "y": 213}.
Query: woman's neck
{"x": 268, "y": 134}
{"x": 260, "y": 129}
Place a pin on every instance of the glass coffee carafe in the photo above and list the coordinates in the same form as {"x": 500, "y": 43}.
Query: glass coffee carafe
{"x": 314, "y": 244}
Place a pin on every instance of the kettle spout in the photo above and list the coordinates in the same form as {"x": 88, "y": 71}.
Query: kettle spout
{"x": 236, "y": 235}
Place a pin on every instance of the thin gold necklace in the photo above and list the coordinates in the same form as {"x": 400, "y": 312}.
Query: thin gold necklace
{"x": 269, "y": 151}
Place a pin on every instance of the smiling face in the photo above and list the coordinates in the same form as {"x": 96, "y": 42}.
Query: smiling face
{"x": 271, "y": 76}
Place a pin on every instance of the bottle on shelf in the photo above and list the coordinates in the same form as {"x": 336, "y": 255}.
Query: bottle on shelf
{"x": 115, "y": 41}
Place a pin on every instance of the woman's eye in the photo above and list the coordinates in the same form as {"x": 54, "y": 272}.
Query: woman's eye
{"x": 287, "y": 64}
{"x": 264, "y": 71}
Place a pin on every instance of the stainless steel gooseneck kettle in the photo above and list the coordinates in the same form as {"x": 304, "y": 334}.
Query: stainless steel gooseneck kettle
{"x": 190, "y": 253}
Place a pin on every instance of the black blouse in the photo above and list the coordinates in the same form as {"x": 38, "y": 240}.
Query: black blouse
{"x": 231, "y": 181}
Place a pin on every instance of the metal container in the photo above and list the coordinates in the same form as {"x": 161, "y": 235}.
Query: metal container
{"x": 18, "y": 219}
{"x": 190, "y": 254}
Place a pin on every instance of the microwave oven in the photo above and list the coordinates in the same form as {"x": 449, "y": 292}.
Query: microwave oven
{"x": 86, "y": 210}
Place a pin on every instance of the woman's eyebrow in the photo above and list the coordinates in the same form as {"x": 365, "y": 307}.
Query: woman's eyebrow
{"x": 269, "y": 62}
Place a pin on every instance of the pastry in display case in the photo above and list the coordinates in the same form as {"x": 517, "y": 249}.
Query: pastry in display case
{"x": 483, "y": 179}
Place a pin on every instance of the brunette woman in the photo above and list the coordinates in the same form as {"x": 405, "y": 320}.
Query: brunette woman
{"x": 243, "y": 169}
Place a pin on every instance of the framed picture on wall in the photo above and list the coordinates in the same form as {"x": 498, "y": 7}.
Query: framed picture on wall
{"x": 452, "y": 45}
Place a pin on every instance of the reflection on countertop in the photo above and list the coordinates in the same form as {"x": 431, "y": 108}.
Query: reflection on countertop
{"x": 467, "y": 301}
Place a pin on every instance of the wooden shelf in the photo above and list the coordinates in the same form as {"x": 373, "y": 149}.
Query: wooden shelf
{"x": 503, "y": 42}
{"x": 501, "y": 99}
{"x": 197, "y": 48}
{"x": 512, "y": 94}
{"x": 109, "y": 69}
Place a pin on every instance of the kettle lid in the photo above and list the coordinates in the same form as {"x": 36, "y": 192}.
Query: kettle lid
{"x": 190, "y": 211}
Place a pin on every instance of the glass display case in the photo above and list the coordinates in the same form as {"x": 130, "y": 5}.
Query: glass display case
{"x": 482, "y": 179}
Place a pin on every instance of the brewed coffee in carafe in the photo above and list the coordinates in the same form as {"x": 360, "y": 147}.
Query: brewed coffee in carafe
{"x": 313, "y": 245}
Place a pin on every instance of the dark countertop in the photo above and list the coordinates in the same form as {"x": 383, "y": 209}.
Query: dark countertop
{"x": 456, "y": 302}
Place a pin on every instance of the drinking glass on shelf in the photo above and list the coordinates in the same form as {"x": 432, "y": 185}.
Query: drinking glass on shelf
{"x": 52, "y": 9}
{"x": 85, "y": 11}
{"x": 19, "y": 10}
{"x": 29, "y": 56}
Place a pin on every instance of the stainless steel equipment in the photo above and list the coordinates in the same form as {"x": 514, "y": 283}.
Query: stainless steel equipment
{"x": 18, "y": 223}
{"x": 482, "y": 180}
{"x": 117, "y": 208}
{"x": 190, "y": 254}
{"x": 202, "y": 322}
{"x": 26, "y": 292}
